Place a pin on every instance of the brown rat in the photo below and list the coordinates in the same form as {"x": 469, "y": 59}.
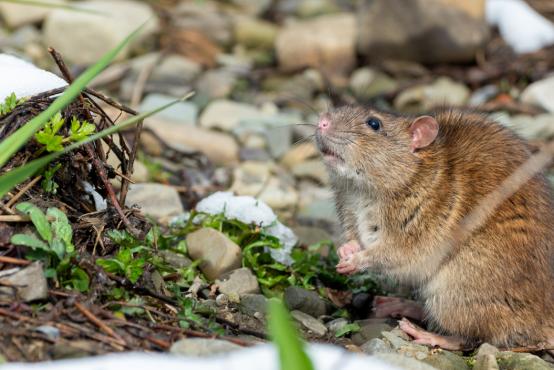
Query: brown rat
{"x": 403, "y": 185}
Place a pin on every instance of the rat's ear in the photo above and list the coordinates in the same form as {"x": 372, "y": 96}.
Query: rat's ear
{"x": 424, "y": 131}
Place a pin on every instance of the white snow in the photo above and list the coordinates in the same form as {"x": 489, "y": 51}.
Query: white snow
{"x": 521, "y": 26}
{"x": 24, "y": 79}
{"x": 261, "y": 357}
{"x": 250, "y": 210}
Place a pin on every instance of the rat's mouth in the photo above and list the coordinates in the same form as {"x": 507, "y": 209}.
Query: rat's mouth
{"x": 328, "y": 153}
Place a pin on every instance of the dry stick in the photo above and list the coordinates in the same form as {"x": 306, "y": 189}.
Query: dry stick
{"x": 138, "y": 90}
{"x": 96, "y": 321}
{"x": 88, "y": 147}
{"x": 14, "y": 261}
{"x": 20, "y": 193}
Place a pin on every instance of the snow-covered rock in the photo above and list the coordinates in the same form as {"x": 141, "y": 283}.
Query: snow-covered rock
{"x": 250, "y": 210}
{"x": 261, "y": 357}
{"x": 521, "y": 26}
{"x": 24, "y": 79}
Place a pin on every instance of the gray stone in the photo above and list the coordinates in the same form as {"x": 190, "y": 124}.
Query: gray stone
{"x": 312, "y": 8}
{"x": 218, "y": 253}
{"x": 159, "y": 201}
{"x": 308, "y": 235}
{"x": 429, "y": 31}
{"x": 540, "y": 93}
{"x": 521, "y": 361}
{"x": 322, "y": 209}
{"x": 222, "y": 299}
{"x": 337, "y": 324}
{"x": 444, "y": 360}
{"x": 307, "y": 301}
{"x": 106, "y": 31}
{"x": 425, "y": 97}
{"x": 311, "y": 323}
{"x": 254, "y": 7}
{"x": 220, "y": 148}
{"x": 367, "y": 83}
{"x": 404, "y": 362}
{"x": 252, "y": 303}
{"x": 298, "y": 154}
{"x": 483, "y": 95}
{"x": 203, "y": 17}
{"x": 313, "y": 169}
{"x": 254, "y": 154}
{"x": 216, "y": 84}
{"x": 238, "y": 282}
{"x": 183, "y": 112}
{"x": 226, "y": 114}
{"x": 486, "y": 349}
{"x": 172, "y": 68}
{"x": 174, "y": 259}
{"x": 539, "y": 127}
{"x": 22, "y": 37}
{"x": 255, "y": 33}
{"x": 486, "y": 362}
{"x": 369, "y": 329}
{"x": 327, "y": 42}
{"x": 17, "y": 15}
{"x": 75, "y": 349}
{"x": 395, "y": 341}
{"x": 202, "y": 347}
{"x": 51, "y": 332}
{"x": 375, "y": 346}
{"x": 29, "y": 284}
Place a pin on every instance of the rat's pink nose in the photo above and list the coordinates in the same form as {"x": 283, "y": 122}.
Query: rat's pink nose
{"x": 324, "y": 123}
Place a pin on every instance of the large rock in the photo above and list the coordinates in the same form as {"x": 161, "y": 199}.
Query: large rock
{"x": 29, "y": 283}
{"x": 238, "y": 283}
{"x": 540, "y": 93}
{"x": 220, "y": 148}
{"x": 17, "y": 15}
{"x": 422, "y": 98}
{"x": 84, "y": 37}
{"x": 311, "y": 323}
{"x": 218, "y": 253}
{"x": 156, "y": 200}
{"x": 202, "y": 347}
{"x": 307, "y": 301}
{"x": 429, "y": 31}
{"x": 327, "y": 42}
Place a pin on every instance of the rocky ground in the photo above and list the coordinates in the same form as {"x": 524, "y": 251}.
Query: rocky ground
{"x": 262, "y": 71}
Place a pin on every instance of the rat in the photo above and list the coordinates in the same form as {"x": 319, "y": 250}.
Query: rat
{"x": 405, "y": 186}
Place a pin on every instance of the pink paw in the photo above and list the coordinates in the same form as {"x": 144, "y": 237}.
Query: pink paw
{"x": 347, "y": 264}
{"x": 348, "y": 249}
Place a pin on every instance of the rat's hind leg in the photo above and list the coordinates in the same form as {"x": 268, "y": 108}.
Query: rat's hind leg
{"x": 435, "y": 340}
{"x": 397, "y": 308}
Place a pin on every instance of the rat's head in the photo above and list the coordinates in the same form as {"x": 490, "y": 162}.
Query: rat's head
{"x": 370, "y": 146}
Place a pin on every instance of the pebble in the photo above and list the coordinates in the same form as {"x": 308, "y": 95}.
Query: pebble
{"x": 51, "y": 332}
{"x": 183, "y": 112}
{"x": 226, "y": 114}
{"x": 313, "y": 169}
{"x": 201, "y": 347}
{"x": 222, "y": 300}
{"x": 337, "y": 324}
{"x": 311, "y": 323}
{"x": 366, "y": 83}
{"x": 239, "y": 282}
{"x": 215, "y": 84}
{"x": 486, "y": 362}
{"x": 298, "y": 154}
{"x": 307, "y": 301}
{"x": 486, "y": 349}
{"x": 75, "y": 349}
{"x": 17, "y": 15}
{"x": 540, "y": 93}
{"x": 255, "y": 33}
{"x": 539, "y": 127}
{"x": 404, "y": 362}
{"x": 156, "y": 200}
{"x": 425, "y": 97}
{"x": 220, "y": 148}
{"x": 107, "y": 31}
{"x": 253, "y": 7}
{"x": 218, "y": 253}
{"x": 369, "y": 329}
{"x": 29, "y": 282}
{"x": 251, "y": 304}
{"x": 308, "y": 235}
{"x": 375, "y": 346}
{"x": 521, "y": 361}
{"x": 326, "y": 42}
{"x": 175, "y": 260}
{"x": 205, "y": 18}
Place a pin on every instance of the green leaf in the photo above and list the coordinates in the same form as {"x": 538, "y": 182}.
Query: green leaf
{"x": 347, "y": 329}
{"x": 17, "y": 175}
{"x": 291, "y": 349}
{"x": 10, "y": 145}
{"x": 111, "y": 265}
{"x": 61, "y": 228}
{"x": 58, "y": 248}
{"x": 29, "y": 241}
{"x": 38, "y": 218}
{"x": 135, "y": 269}
{"x": 81, "y": 129}
{"x": 79, "y": 279}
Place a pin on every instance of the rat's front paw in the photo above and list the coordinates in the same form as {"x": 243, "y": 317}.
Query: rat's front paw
{"x": 348, "y": 249}
{"x": 348, "y": 265}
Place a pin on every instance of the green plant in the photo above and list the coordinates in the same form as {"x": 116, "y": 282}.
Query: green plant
{"x": 10, "y": 102}
{"x": 54, "y": 247}
{"x": 291, "y": 349}
{"x": 347, "y": 329}
{"x": 48, "y": 184}
{"x": 53, "y": 142}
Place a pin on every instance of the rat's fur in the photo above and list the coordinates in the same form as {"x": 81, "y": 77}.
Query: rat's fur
{"x": 496, "y": 285}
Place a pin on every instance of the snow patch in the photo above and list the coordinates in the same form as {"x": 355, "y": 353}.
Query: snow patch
{"x": 261, "y": 357}
{"x": 250, "y": 210}
{"x": 24, "y": 79}
{"x": 524, "y": 29}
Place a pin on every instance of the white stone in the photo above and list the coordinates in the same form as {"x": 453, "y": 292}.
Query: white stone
{"x": 84, "y": 37}
{"x": 159, "y": 201}
{"x": 226, "y": 115}
{"x": 540, "y": 93}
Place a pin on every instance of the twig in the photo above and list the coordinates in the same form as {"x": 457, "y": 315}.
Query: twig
{"x": 96, "y": 321}
{"x": 20, "y": 193}
{"x": 14, "y": 261}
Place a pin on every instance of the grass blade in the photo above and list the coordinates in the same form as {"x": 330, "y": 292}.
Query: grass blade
{"x": 16, "y": 176}
{"x": 283, "y": 334}
{"x": 10, "y": 145}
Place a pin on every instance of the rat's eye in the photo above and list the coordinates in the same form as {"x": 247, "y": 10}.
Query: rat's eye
{"x": 374, "y": 123}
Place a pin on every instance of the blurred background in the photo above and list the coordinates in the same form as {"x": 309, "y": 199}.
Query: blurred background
{"x": 262, "y": 69}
